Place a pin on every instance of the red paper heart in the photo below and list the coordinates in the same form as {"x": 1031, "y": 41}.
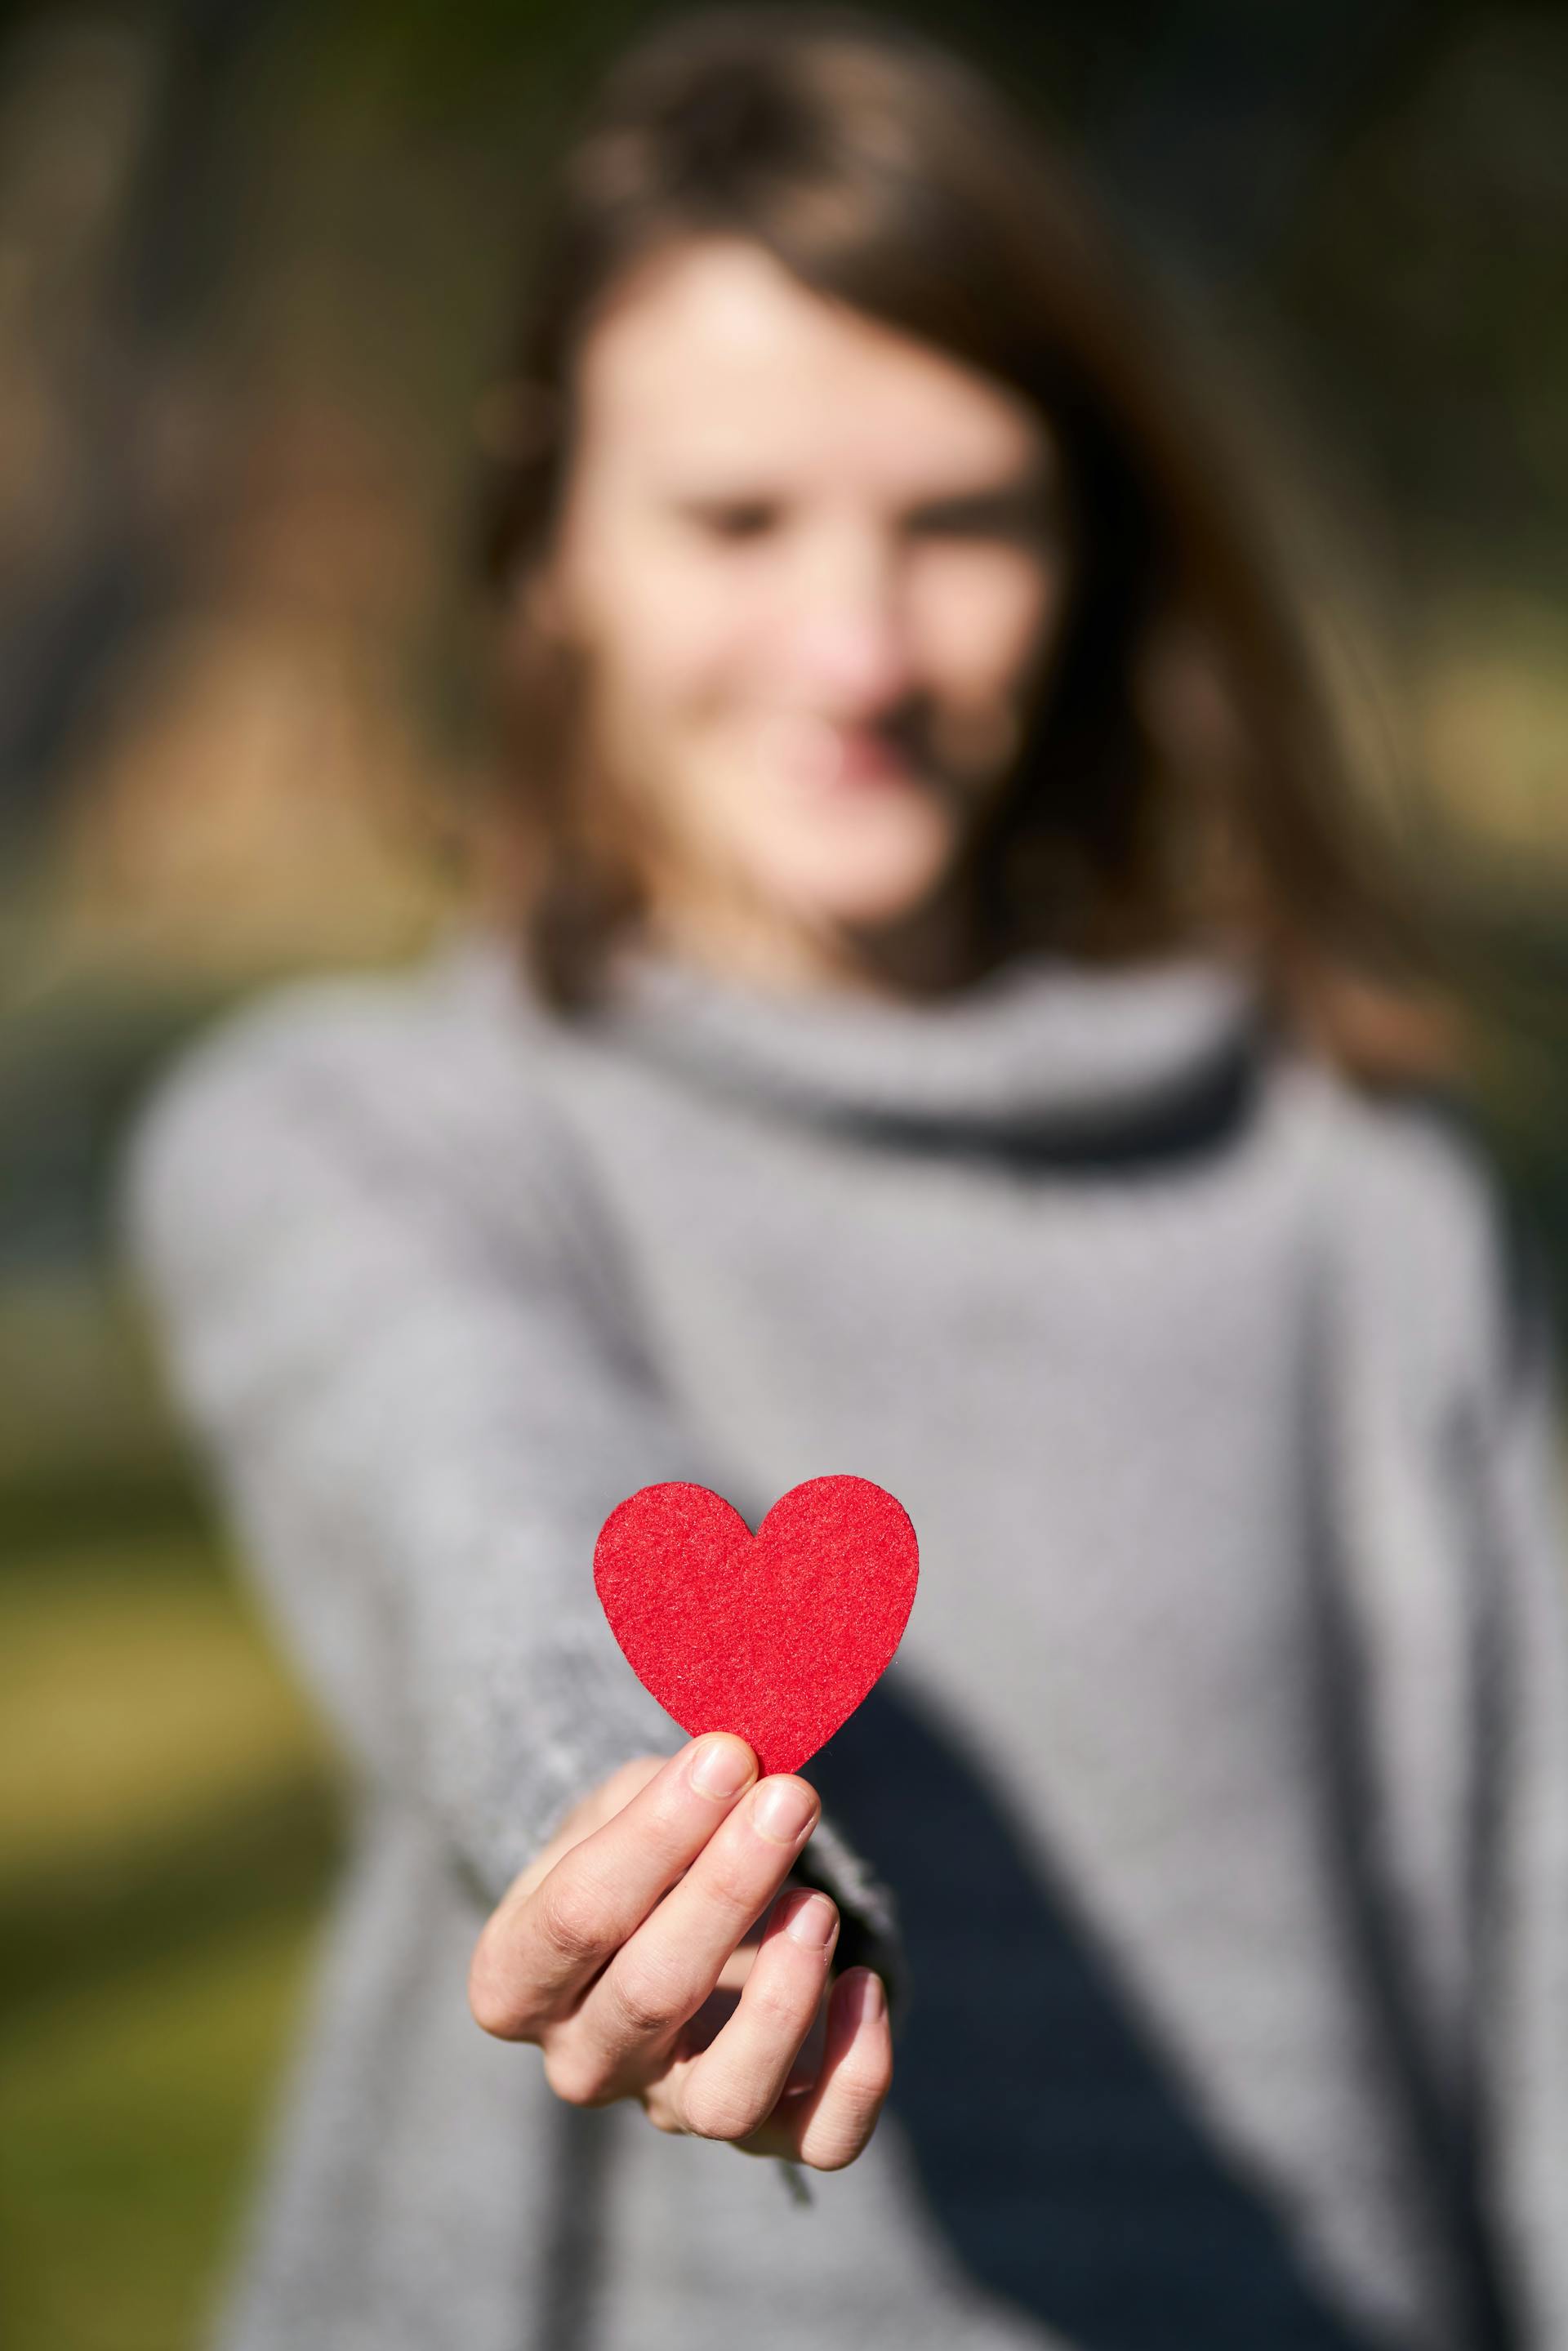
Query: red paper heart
{"x": 777, "y": 1636}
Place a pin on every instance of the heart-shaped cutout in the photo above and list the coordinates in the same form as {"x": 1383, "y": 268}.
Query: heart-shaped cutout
{"x": 777, "y": 1636}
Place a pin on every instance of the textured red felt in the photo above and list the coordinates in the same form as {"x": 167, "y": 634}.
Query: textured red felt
{"x": 777, "y": 1636}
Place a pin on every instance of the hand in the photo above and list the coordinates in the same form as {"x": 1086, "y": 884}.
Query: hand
{"x": 640, "y": 1953}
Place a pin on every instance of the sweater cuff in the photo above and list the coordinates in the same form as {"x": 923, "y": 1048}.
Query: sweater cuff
{"x": 869, "y": 1934}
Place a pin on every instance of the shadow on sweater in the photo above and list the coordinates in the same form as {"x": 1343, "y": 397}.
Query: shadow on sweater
{"x": 1056, "y": 2149}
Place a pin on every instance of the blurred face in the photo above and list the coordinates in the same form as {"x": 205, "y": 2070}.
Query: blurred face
{"x": 816, "y": 565}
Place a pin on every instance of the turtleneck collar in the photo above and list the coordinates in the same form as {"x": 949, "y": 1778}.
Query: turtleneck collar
{"x": 1044, "y": 1050}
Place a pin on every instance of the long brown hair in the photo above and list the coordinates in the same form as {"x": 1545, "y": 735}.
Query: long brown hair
{"x": 1183, "y": 780}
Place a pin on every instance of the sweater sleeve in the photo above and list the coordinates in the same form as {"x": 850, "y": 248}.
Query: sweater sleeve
{"x": 1523, "y": 1942}
{"x": 1446, "y": 1480}
{"x": 404, "y": 1348}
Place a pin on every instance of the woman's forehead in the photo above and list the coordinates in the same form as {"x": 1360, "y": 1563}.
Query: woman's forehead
{"x": 716, "y": 361}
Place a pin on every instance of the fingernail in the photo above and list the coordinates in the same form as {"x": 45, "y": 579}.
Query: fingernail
{"x": 723, "y": 1767}
{"x": 812, "y": 1923}
{"x": 783, "y": 1810}
{"x": 870, "y": 2002}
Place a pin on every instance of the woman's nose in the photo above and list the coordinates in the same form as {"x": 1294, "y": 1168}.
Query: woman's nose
{"x": 851, "y": 643}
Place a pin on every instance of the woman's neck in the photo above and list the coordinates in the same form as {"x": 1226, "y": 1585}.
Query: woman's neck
{"x": 930, "y": 953}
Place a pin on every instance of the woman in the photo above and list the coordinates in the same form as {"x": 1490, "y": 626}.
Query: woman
{"x": 913, "y": 1038}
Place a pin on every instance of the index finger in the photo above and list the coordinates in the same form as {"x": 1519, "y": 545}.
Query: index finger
{"x": 539, "y": 1951}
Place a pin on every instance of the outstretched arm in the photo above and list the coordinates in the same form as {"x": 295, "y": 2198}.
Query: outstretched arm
{"x": 397, "y": 1329}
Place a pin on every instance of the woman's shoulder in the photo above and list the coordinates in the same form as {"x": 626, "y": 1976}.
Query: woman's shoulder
{"x": 386, "y": 1036}
{"x": 459, "y": 998}
{"x": 432, "y": 1067}
{"x": 1427, "y": 1238}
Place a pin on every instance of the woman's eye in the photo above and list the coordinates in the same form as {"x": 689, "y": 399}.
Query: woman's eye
{"x": 1006, "y": 523}
{"x": 735, "y": 523}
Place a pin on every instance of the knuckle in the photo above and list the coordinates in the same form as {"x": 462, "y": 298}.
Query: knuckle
{"x": 733, "y": 1884}
{"x": 866, "y": 2082}
{"x": 570, "y": 1919}
{"x": 720, "y": 2109}
{"x": 577, "y": 2074}
{"x": 646, "y": 1998}
{"x": 843, "y": 2126}
{"x": 777, "y": 2005}
{"x": 494, "y": 2006}
{"x": 498, "y": 1995}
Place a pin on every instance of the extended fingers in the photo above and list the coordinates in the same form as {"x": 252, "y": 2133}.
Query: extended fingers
{"x": 826, "y": 2127}
{"x": 733, "y": 2086}
{"x": 547, "y": 1941}
{"x": 631, "y": 2015}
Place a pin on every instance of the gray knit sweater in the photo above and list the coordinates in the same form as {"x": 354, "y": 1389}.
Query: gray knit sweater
{"x": 1221, "y": 1779}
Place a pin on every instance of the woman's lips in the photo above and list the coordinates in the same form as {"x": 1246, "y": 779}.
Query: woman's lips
{"x": 869, "y": 759}
{"x": 837, "y": 760}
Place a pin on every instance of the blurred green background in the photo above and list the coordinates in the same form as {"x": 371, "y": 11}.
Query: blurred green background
{"x": 254, "y": 267}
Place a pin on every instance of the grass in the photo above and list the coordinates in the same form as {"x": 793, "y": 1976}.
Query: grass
{"x": 131, "y": 2099}
{"x": 166, "y": 1839}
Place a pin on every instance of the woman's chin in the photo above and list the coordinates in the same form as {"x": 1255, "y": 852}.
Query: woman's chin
{"x": 868, "y": 886}
{"x": 864, "y": 913}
